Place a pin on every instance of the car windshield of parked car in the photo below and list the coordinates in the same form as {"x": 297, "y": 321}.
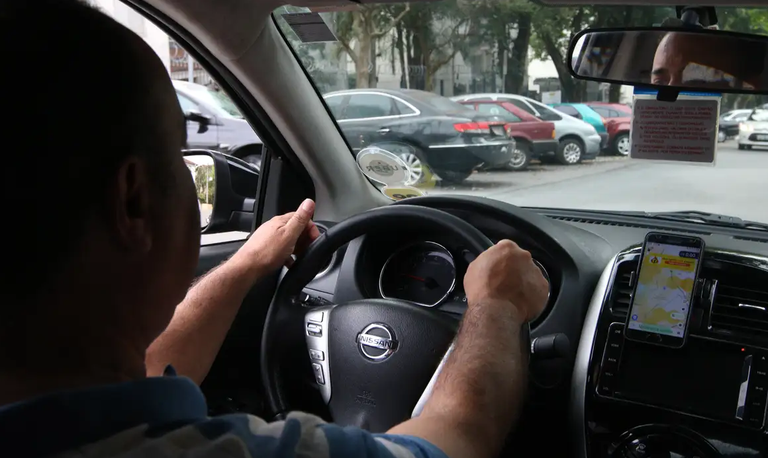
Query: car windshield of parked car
{"x": 759, "y": 115}
{"x": 429, "y": 81}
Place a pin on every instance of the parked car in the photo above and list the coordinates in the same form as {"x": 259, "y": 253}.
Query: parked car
{"x": 214, "y": 122}
{"x": 424, "y": 129}
{"x": 577, "y": 140}
{"x": 617, "y": 118}
{"x": 729, "y": 123}
{"x": 588, "y": 115}
{"x": 754, "y": 130}
{"x": 533, "y": 137}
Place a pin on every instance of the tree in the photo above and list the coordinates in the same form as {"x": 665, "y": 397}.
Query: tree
{"x": 505, "y": 24}
{"x": 205, "y": 183}
{"x": 551, "y": 40}
{"x": 357, "y": 32}
{"x": 434, "y": 33}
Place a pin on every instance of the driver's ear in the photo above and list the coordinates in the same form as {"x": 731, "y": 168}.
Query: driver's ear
{"x": 129, "y": 205}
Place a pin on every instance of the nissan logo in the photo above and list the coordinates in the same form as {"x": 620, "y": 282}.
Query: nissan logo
{"x": 377, "y": 342}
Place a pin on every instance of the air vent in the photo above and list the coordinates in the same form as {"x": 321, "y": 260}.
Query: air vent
{"x": 738, "y": 299}
{"x": 739, "y": 310}
{"x": 621, "y": 292}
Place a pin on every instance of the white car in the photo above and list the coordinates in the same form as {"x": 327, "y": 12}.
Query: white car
{"x": 577, "y": 140}
{"x": 754, "y": 130}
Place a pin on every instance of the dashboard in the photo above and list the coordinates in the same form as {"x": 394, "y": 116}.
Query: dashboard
{"x": 608, "y": 396}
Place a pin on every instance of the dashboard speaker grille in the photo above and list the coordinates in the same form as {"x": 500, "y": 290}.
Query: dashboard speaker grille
{"x": 621, "y": 292}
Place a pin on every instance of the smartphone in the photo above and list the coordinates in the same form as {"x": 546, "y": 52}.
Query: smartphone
{"x": 663, "y": 289}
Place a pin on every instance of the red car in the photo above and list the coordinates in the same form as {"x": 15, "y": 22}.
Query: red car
{"x": 533, "y": 136}
{"x": 616, "y": 118}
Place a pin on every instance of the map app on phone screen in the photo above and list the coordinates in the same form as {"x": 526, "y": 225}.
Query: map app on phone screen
{"x": 664, "y": 289}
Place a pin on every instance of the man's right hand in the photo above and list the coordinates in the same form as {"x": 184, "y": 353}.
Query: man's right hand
{"x": 506, "y": 273}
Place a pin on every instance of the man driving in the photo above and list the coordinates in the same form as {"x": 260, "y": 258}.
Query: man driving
{"x": 105, "y": 240}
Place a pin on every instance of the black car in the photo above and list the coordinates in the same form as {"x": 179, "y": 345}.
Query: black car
{"x": 424, "y": 129}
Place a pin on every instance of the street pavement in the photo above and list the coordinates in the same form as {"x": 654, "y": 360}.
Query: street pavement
{"x": 736, "y": 185}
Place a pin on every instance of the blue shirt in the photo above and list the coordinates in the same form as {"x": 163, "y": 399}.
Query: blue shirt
{"x": 167, "y": 417}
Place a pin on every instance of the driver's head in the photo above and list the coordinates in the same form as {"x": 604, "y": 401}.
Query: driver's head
{"x": 691, "y": 59}
{"x": 101, "y": 225}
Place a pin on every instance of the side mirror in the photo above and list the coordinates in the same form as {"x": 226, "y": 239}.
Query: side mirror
{"x": 226, "y": 190}
{"x": 203, "y": 120}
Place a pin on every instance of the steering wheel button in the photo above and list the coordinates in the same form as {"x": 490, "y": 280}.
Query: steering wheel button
{"x": 317, "y": 317}
{"x": 314, "y": 330}
{"x": 317, "y": 355}
{"x": 319, "y": 376}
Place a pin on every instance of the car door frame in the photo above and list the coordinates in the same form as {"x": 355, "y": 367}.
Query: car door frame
{"x": 283, "y": 184}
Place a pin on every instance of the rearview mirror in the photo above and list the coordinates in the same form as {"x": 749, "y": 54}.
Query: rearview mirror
{"x": 672, "y": 58}
{"x": 203, "y": 120}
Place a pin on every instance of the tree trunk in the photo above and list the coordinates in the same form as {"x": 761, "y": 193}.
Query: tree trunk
{"x": 614, "y": 93}
{"x": 401, "y": 52}
{"x": 517, "y": 62}
{"x": 428, "y": 81}
{"x": 363, "y": 64}
{"x": 373, "y": 78}
{"x": 572, "y": 90}
{"x": 501, "y": 52}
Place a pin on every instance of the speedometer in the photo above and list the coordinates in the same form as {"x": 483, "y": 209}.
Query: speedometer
{"x": 423, "y": 273}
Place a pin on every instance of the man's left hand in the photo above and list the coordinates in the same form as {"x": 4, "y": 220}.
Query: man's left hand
{"x": 272, "y": 244}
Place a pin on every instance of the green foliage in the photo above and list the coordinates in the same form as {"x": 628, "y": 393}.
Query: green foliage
{"x": 205, "y": 183}
{"x": 425, "y": 36}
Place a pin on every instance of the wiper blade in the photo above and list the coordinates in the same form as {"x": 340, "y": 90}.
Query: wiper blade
{"x": 706, "y": 218}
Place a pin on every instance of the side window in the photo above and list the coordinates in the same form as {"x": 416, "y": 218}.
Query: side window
{"x": 604, "y": 112}
{"x": 548, "y": 114}
{"x": 569, "y": 110}
{"x": 368, "y": 106}
{"x": 196, "y": 90}
{"x": 522, "y": 105}
{"x": 402, "y": 108}
{"x": 186, "y": 104}
{"x": 334, "y": 104}
{"x": 741, "y": 117}
{"x": 615, "y": 114}
{"x": 492, "y": 109}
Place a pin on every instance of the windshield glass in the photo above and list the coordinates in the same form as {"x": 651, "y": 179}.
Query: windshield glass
{"x": 393, "y": 67}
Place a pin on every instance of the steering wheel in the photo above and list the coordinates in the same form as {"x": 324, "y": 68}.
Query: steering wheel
{"x": 371, "y": 358}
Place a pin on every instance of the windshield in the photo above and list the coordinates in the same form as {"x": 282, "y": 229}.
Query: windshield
{"x": 511, "y": 52}
{"x": 759, "y": 115}
{"x": 215, "y": 100}
{"x": 438, "y": 102}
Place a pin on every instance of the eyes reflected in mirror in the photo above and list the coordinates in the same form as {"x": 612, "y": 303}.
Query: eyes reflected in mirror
{"x": 203, "y": 174}
{"x": 686, "y": 59}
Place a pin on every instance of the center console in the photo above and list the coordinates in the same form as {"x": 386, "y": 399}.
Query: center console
{"x": 706, "y": 399}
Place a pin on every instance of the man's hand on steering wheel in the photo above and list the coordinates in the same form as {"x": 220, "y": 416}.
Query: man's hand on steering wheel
{"x": 506, "y": 273}
{"x": 272, "y": 244}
